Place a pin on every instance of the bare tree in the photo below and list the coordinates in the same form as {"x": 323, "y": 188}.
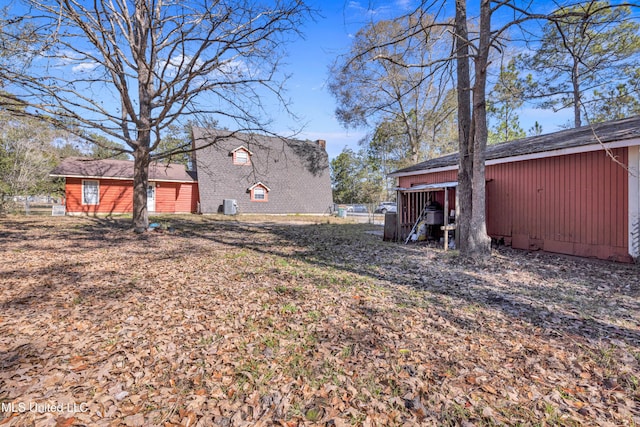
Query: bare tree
{"x": 472, "y": 104}
{"x": 471, "y": 52}
{"x": 384, "y": 79}
{"x": 475, "y": 240}
{"x": 476, "y": 48}
{"x": 15, "y": 39}
{"x": 465, "y": 125}
{"x": 394, "y": 73}
{"x": 130, "y": 69}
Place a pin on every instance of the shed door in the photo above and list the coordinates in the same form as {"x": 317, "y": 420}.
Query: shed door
{"x": 151, "y": 197}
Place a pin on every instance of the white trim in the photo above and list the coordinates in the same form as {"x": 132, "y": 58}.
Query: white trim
{"x": 118, "y": 178}
{"x": 433, "y": 187}
{"x": 242, "y": 147}
{"x": 241, "y": 157}
{"x": 533, "y": 156}
{"x": 259, "y": 190}
{"x": 634, "y": 201}
{"x": 151, "y": 201}
{"x": 423, "y": 171}
{"x": 259, "y": 184}
{"x": 82, "y": 188}
{"x": 566, "y": 151}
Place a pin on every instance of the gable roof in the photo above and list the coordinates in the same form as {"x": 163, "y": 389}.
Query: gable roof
{"x": 296, "y": 172}
{"x": 243, "y": 148}
{"x": 612, "y": 134}
{"x": 80, "y": 167}
{"x": 258, "y": 184}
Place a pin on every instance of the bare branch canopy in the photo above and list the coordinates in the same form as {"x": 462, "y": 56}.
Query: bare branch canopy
{"x": 132, "y": 69}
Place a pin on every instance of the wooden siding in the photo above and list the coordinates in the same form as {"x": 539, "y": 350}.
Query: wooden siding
{"x": 574, "y": 204}
{"x": 412, "y": 204}
{"x": 166, "y": 195}
{"x": 432, "y": 178}
{"x": 116, "y": 197}
{"x": 186, "y": 198}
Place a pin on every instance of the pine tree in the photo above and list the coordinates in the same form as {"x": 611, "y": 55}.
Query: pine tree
{"x": 586, "y": 50}
{"x": 505, "y": 99}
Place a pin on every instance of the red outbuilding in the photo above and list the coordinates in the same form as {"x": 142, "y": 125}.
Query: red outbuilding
{"x": 106, "y": 187}
{"x": 575, "y": 192}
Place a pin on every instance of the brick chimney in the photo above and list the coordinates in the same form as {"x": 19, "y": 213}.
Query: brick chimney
{"x": 322, "y": 143}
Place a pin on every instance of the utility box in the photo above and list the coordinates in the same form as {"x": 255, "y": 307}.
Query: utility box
{"x": 434, "y": 217}
{"x": 229, "y": 207}
{"x": 390, "y": 222}
{"x": 58, "y": 210}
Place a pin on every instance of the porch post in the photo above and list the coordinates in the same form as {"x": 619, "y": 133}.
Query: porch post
{"x": 398, "y": 215}
{"x": 446, "y": 218}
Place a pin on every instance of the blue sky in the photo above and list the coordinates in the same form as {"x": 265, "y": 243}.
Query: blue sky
{"x": 326, "y": 38}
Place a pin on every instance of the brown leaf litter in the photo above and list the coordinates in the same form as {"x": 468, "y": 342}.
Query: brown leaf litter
{"x": 267, "y": 323}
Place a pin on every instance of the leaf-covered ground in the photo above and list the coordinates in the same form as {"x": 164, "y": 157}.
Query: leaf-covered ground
{"x": 288, "y": 323}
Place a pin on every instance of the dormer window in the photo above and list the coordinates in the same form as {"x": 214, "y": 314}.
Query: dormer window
{"x": 241, "y": 156}
{"x": 259, "y": 192}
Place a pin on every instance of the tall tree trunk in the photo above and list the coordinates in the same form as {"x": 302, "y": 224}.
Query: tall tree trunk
{"x": 465, "y": 146}
{"x": 479, "y": 243}
{"x": 142, "y": 149}
{"x": 577, "y": 102}
{"x": 414, "y": 143}
{"x": 140, "y": 185}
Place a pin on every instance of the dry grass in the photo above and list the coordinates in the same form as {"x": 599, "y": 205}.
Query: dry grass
{"x": 304, "y": 321}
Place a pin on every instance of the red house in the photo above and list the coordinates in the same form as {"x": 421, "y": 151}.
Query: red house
{"x": 575, "y": 191}
{"x": 106, "y": 187}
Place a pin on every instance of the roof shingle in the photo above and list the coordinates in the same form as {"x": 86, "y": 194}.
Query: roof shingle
{"x": 119, "y": 169}
{"x": 616, "y": 130}
{"x": 296, "y": 172}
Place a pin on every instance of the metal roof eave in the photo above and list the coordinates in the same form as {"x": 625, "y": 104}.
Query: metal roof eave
{"x": 596, "y": 146}
{"x": 429, "y": 187}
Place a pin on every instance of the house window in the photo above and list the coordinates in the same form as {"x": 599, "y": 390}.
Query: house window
{"x": 90, "y": 192}
{"x": 259, "y": 193}
{"x": 240, "y": 157}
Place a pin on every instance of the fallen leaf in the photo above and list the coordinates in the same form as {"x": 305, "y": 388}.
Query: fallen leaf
{"x": 65, "y": 422}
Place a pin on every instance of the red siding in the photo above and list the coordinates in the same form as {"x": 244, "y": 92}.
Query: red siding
{"x": 186, "y": 198}
{"x": 412, "y": 204}
{"x": 575, "y": 204}
{"x": 195, "y": 198}
{"x": 166, "y": 193}
{"x": 116, "y": 196}
{"x": 434, "y": 178}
